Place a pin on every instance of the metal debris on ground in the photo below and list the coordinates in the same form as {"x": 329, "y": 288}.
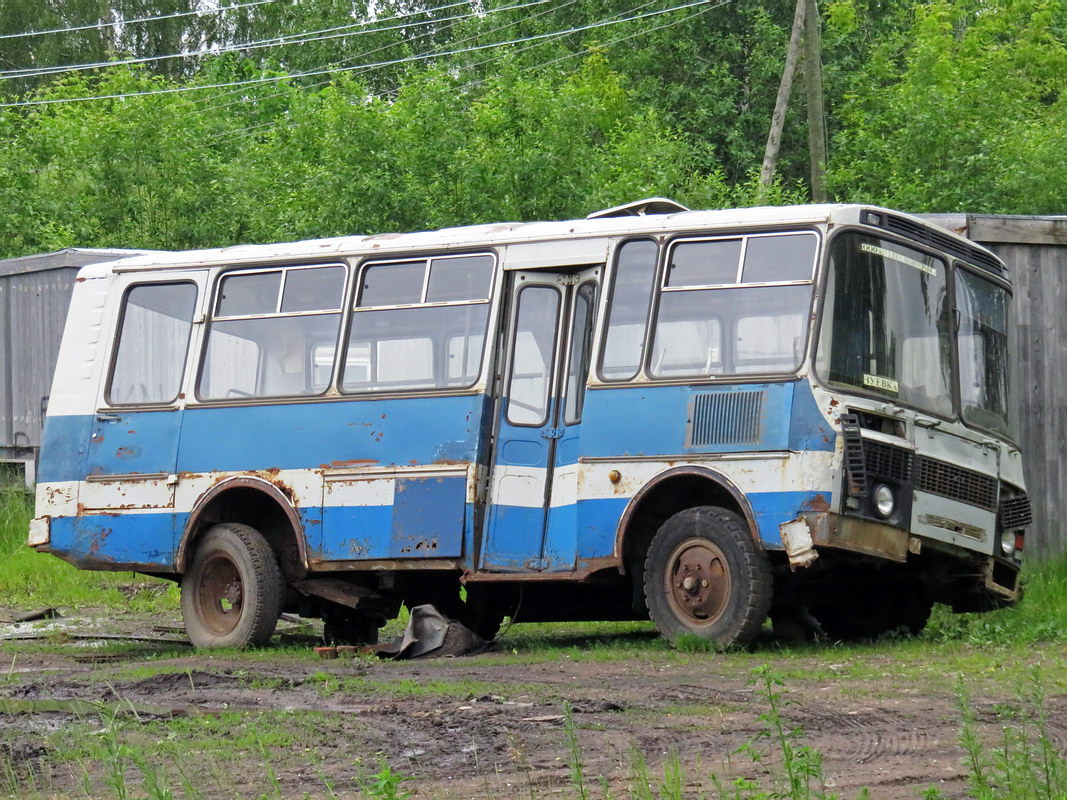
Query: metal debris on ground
{"x": 30, "y": 616}
{"x": 431, "y": 634}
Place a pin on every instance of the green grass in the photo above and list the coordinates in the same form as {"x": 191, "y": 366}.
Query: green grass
{"x": 29, "y": 578}
{"x": 1040, "y": 616}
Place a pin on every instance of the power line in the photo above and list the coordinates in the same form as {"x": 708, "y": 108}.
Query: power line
{"x": 279, "y": 41}
{"x": 368, "y": 53}
{"x": 252, "y": 129}
{"x": 211, "y": 140}
{"x": 99, "y": 25}
{"x": 312, "y": 73}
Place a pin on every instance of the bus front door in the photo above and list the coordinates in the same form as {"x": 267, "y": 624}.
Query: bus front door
{"x": 534, "y": 474}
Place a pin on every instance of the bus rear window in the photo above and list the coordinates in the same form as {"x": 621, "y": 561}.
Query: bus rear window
{"x": 152, "y": 343}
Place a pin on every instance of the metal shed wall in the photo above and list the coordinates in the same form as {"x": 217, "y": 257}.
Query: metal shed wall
{"x": 1035, "y": 250}
{"x": 34, "y": 295}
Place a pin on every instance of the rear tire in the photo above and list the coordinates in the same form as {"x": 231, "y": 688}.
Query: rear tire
{"x": 706, "y": 576}
{"x": 232, "y": 592}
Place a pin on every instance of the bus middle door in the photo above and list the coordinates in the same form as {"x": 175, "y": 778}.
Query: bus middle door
{"x": 534, "y": 461}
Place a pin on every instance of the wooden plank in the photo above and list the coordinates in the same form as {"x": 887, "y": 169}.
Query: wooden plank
{"x": 988, "y": 229}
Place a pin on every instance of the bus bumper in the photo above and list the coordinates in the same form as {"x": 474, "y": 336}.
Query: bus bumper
{"x": 825, "y": 529}
{"x": 801, "y": 536}
{"x": 40, "y": 534}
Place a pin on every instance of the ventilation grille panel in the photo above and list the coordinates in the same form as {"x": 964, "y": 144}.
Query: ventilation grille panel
{"x": 718, "y": 418}
{"x": 1016, "y": 513}
{"x": 886, "y": 461}
{"x": 945, "y": 242}
{"x": 956, "y": 483}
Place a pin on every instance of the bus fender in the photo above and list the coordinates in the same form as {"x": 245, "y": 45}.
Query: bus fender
{"x": 261, "y": 485}
{"x": 713, "y": 477}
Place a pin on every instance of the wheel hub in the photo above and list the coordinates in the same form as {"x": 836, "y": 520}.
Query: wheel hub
{"x": 221, "y": 595}
{"x": 699, "y": 581}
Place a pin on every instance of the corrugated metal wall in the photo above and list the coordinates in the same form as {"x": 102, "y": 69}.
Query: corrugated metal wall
{"x": 34, "y": 295}
{"x": 36, "y": 306}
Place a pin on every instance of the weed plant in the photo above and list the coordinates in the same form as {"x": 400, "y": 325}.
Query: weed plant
{"x": 123, "y": 755}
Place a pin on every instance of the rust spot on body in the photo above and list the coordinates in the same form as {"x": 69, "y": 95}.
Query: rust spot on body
{"x": 818, "y": 503}
{"x": 353, "y": 462}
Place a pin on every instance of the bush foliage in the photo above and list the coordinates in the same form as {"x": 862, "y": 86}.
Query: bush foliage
{"x": 932, "y": 106}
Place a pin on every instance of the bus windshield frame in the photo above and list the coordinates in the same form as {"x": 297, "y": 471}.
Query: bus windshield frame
{"x": 892, "y": 326}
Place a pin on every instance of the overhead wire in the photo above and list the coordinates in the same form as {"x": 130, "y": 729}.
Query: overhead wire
{"x": 245, "y": 132}
{"x": 313, "y": 73}
{"x": 382, "y": 48}
{"x": 101, "y": 25}
{"x": 337, "y": 32}
{"x": 253, "y": 128}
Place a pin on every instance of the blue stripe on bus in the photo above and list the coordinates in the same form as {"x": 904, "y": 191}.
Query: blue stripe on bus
{"x": 398, "y": 532}
{"x": 653, "y": 420}
{"x": 100, "y": 539}
{"x": 285, "y": 436}
{"x": 598, "y": 519}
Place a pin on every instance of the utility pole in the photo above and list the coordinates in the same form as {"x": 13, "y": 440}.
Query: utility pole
{"x": 774, "y": 138}
{"x": 816, "y": 108}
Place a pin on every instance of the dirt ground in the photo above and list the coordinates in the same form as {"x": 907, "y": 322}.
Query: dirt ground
{"x": 882, "y": 717}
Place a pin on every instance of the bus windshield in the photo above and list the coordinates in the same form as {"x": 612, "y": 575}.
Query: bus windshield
{"x": 886, "y": 325}
{"x": 982, "y": 309}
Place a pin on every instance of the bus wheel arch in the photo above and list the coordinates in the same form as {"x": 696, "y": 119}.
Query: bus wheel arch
{"x": 255, "y": 502}
{"x": 671, "y": 491}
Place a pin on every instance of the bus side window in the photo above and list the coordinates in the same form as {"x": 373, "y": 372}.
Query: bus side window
{"x": 153, "y": 341}
{"x": 628, "y": 306}
{"x": 269, "y": 331}
{"x": 421, "y": 324}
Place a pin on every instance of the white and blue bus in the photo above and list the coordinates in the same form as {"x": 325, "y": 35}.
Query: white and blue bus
{"x": 702, "y": 417}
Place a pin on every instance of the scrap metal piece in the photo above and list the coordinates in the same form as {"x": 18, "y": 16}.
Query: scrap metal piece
{"x": 430, "y": 632}
{"x": 335, "y": 590}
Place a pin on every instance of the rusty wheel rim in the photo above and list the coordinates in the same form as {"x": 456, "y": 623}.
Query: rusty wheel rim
{"x": 697, "y": 582}
{"x": 220, "y": 598}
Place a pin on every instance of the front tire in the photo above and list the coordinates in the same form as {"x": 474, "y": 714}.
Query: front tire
{"x": 706, "y": 576}
{"x": 232, "y": 591}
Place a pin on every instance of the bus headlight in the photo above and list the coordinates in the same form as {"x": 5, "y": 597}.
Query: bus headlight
{"x": 884, "y": 502}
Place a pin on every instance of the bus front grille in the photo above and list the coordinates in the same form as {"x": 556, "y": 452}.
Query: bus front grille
{"x": 888, "y": 462}
{"x": 956, "y": 483}
{"x": 1016, "y": 513}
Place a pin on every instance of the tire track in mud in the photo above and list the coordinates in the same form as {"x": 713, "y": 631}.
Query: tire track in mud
{"x": 866, "y": 736}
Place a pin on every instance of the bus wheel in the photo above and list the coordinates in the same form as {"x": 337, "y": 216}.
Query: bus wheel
{"x": 232, "y": 592}
{"x": 705, "y": 576}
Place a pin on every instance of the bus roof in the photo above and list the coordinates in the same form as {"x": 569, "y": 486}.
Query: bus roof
{"x": 497, "y": 234}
